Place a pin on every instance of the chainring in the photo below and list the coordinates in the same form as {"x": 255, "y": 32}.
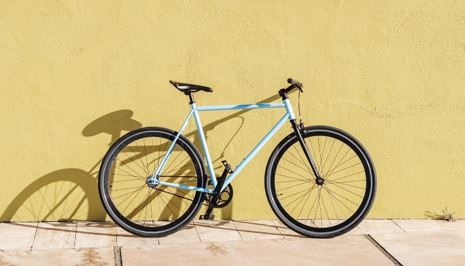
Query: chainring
{"x": 224, "y": 199}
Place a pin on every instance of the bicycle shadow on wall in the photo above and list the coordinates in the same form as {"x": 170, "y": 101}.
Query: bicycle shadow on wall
{"x": 72, "y": 193}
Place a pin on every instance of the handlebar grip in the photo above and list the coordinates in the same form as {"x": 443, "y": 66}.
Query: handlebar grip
{"x": 292, "y": 81}
{"x": 296, "y": 83}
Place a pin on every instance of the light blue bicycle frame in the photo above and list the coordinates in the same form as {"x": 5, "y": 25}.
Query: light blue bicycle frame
{"x": 289, "y": 115}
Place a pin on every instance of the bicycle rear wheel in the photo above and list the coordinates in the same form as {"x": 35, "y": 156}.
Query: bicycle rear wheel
{"x": 130, "y": 202}
{"x": 320, "y": 210}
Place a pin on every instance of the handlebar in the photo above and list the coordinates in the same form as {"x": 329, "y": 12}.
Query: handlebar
{"x": 294, "y": 84}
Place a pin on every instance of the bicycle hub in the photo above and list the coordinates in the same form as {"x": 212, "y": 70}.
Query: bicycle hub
{"x": 151, "y": 181}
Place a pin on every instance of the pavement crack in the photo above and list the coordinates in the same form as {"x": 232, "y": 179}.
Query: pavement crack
{"x": 383, "y": 250}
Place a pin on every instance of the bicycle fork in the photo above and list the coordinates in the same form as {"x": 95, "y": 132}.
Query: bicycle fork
{"x": 297, "y": 128}
{"x": 318, "y": 179}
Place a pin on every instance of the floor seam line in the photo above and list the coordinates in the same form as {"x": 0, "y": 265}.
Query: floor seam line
{"x": 117, "y": 256}
{"x": 277, "y": 228}
{"x": 240, "y": 235}
{"x": 197, "y": 231}
{"x": 75, "y": 234}
{"x": 35, "y": 234}
{"x": 383, "y": 250}
{"x": 399, "y": 226}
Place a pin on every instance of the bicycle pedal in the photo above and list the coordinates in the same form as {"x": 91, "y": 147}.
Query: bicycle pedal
{"x": 204, "y": 217}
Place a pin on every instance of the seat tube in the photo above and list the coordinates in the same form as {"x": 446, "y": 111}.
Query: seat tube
{"x": 158, "y": 171}
{"x": 204, "y": 144}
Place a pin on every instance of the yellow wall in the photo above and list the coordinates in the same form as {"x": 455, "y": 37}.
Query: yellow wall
{"x": 74, "y": 75}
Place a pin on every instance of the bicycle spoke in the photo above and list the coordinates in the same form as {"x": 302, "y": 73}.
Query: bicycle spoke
{"x": 343, "y": 169}
{"x": 295, "y": 185}
{"x": 301, "y": 199}
{"x": 346, "y": 176}
{"x": 290, "y": 181}
{"x": 305, "y": 170}
{"x": 290, "y": 195}
{"x": 340, "y": 164}
{"x": 343, "y": 197}
{"x": 183, "y": 176}
{"x": 338, "y": 200}
{"x": 334, "y": 159}
{"x": 132, "y": 196}
{"x": 305, "y": 203}
{"x": 325, "y": 160}
{"x": 294, "y": 172}
{"x": 332, "y": 204}
{"x": 290, "y": 177}
{"x": 174, "y": 194}
{"x": 348, "y": 185}
{"x": 324, "y": 206}
{"x": 172, "y": 160}
{"x": 322, "y": 156}
{"x": 301, "y": 160}
{"x": 146, "y": 159}
{"x": 132, "y": 170}
{"x": 353, "y": 193}
{"x": 126, "y": 188}
{"x": 135, "y": 161}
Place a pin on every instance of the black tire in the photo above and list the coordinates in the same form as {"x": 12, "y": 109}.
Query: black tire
{"x": 301, "y": 178}
{"x": 153, "y": 142}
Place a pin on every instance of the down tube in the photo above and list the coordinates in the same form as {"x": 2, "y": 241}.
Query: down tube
{"x": 255, "y": 150}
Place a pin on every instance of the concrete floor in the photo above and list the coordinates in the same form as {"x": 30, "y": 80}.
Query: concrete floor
{"x": 264, "y": 242}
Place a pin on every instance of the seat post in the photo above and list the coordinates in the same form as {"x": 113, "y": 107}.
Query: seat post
{"x": 191, "y": 97}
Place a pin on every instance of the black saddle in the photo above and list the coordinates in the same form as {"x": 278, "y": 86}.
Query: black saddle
{"x": 188, "y": 88}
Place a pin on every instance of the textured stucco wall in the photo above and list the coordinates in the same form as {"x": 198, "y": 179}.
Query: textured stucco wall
{"x": 390, "y": 72}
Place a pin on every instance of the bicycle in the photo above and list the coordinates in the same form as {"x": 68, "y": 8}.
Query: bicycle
{"x": 319, "y": 180}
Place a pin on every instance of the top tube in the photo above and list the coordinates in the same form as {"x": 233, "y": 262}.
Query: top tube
{"x": 239, "y": 106}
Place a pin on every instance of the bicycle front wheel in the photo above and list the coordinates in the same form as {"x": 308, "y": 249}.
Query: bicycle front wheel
{"x": 141, "y": 209}
{"x": 327, "y": 209}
